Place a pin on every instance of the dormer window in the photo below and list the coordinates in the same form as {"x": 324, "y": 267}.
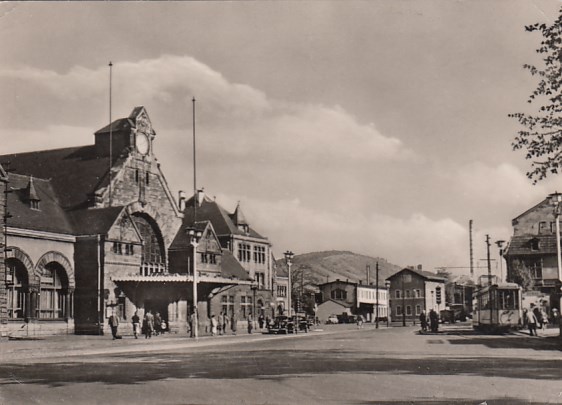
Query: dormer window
{"x": 535, "y": 244}
{"x": 32, "y": 195}
{"x": 34, "y": 204}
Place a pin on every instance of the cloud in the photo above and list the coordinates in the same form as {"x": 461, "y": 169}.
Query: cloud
{"x": 413, "y": 240}
{"x": 238, "y": 120}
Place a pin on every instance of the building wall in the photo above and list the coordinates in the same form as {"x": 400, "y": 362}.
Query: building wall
{"x": 89, "y": 294}
{"x": 3, "y": 293}
{"x": 349, "y": 288}
{"x": 41, "y": 248}
{"x": 411, "y": 285}
{"x": 328, "y": 308}
{"x": 252, "y": 266}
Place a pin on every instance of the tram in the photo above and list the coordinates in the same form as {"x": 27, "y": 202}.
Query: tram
{"x": 497, "y": 308}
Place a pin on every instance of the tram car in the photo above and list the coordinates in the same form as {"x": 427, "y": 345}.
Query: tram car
{"x": 497, "y": 308}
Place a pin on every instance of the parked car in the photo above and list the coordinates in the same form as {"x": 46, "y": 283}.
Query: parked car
{"x": 333, "y": 319}
{"x": 281, "y": 324}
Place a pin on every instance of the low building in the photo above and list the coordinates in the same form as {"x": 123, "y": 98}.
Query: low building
{"x": 413, "y": 291}
{"x": 361, "y": 299}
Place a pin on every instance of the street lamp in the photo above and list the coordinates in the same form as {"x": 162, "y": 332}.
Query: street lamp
{"x": 500, "y": 247}
{"x": 377, "y": 304}
{"x": 194, "y": 237}
{"x": 387, "y": 285}
{"x": 289, "y": 260}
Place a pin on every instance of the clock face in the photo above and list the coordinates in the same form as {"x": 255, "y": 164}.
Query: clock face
{"x": 142, "y": 143}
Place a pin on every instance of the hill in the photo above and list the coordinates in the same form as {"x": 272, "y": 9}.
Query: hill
{"x": 322, "y": 267}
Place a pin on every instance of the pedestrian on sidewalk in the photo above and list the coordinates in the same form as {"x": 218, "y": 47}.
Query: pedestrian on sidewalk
{"x": 149, "y": 325}
{"x": 220, "y": 323}
{"x": 136, "y": 325}
{"x": 434, "y": 321}
{"x": 234, "y": 323}
{"x": 192, "y": 319}
{"x": 250, "y": 323}
{"x": 423, "y": 321}
{"x": 114, "y": 324}
{"x": 214, "y": 325}
{"x": 532, "y": 321}
{"x": 225, "y": 323}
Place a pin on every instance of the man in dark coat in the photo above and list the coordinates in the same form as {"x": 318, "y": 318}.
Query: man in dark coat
{"x": 434, "y": 320}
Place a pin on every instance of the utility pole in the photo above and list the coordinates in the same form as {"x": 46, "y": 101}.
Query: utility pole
{"x": 489, "y": 276}
{"x": 471, "y": 252}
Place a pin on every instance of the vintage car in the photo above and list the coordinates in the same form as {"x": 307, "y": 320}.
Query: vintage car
{"x": 333, "y": 319}
{"x": 283, "y": 324}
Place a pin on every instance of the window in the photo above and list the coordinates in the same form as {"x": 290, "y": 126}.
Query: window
{"x": 244, "y": 252}
{"x": 204, "y": 258}
{"x": 338, "y": 294}
{"x": 17, "y": 286}
{"x": 553, "y": 227}
{"x": 213, "y": 259}
{"x": 147, "y": 179}
{"x": 407, "y": 278}
{"x": 259, "y": 254}
{"x": 397, "y": 293}
{"x": 260, "y": 278}
{"x": 54, "y": 288}
{"x": 398, "y": 310}
{"x": 136, "y": 175}
{"x": 153, "y": 243}
{"x": 34, "y": 204}
{"x": 408, "y": 310}
{"x": 281, "y": 290}
{"x": 418, "y": 309}
{"x": 227, "y": 304}
{"x": 245, "y": 306}
{"x": 535, "y": 268}
{"x": 543, "y": 227}
{"x": 407, "y": 293}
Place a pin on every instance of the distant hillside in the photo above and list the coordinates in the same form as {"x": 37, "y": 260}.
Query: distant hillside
{"x": 322, "y": 267}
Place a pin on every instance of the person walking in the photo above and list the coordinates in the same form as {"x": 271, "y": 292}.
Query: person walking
{"x": 532, "y": 322}
{"x": 434, "y": 321}
{"x": 234, "y": 323}
{"x": 136, "y": 325}
{"x": 114, "y": 324}
{"x": 220, "y": 323}
{"x": 225, "y": 323}
{"x": 214, "y": 325}
{"x": 423, "y": 321}
{"x": 192, "y": 324}
{"x": 157, "y": 323}
{"x": 149, "y": 318}
{"x": 538, "y": 315}
{"x": 250, "y": 323}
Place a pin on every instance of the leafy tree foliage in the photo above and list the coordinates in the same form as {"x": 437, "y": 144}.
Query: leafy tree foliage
{"x": 521, "y": 275}
{"x": 542, "y": 136}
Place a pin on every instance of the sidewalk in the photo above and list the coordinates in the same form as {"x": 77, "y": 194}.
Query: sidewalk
{"x": 79, "y": 345}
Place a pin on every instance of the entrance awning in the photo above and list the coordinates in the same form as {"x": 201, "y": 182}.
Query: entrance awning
{"x": 180, "y": 278}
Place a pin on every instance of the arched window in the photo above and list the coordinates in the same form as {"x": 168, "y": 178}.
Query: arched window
{"x": 54, "y": 291}
{"x": 339, "y": 294}
{"x": 18, "y": 287}
{"x": 153, "y": 244}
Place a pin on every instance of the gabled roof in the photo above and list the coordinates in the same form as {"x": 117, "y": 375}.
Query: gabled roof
{"x": 219, "y": 217}
{"x": 94, "y": 221}
{"x": 534, "y": 207}
{"x": 74, "y": 173}
{"x": 522, "y": 245}
{"x": 50, "y": 217}
{"x": 230, "y": 267}
{"x": 424, "y": 274}
{"x": 340, "y": 303}
{"x": 182, "y": 241}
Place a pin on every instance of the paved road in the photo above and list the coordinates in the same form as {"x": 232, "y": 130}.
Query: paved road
{"x": 334, "y": 366}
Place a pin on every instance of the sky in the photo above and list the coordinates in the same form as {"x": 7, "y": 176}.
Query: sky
{"x": 377, "y": 127}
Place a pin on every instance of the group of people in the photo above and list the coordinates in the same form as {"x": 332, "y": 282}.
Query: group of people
{"x": 429, "y": 322}
{"x": 151, "y": 325}
{"x": 535, "y": 318}
{"x": 221, "y": 324}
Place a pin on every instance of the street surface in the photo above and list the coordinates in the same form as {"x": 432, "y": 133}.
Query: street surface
{"x": 336, "y": 365}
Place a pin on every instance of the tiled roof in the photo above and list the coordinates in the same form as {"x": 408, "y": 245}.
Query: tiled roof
{"x": 94, "y": 221}
{"x": 522, "y": 245}
{"x": 74, "y": 173}
{"x": 219, "y": 217}
{"x": 181, "y": 240}
{"x": 232, "y": 268}
{"x": 122, "y": 124}
{"x": 422, "y": 273}
{"x": 50, "y": 217}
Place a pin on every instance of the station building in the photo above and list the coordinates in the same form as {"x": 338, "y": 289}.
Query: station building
{"x": 95, "y": 230}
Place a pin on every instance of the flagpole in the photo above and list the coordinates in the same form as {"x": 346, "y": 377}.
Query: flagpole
{"x": 195, "y": 196}
{"x": 110, "y": 132}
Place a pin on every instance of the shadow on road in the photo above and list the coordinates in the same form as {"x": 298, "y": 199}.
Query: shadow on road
{"x": 271, "y": 365}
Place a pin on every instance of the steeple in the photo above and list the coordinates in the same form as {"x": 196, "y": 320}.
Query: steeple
{"x": 32, "y": 195}
{"x": 239, "y": 219}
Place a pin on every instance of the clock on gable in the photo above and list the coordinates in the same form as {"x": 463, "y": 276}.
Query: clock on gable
{"x": 142, "y": 143}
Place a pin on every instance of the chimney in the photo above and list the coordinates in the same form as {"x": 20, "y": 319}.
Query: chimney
{"x": 420, "y": 267}
{"x": 200, "y": 196}
{"x": 181, "y": 200}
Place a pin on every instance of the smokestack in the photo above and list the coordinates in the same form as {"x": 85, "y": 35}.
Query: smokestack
{"x": 368, "y": 274}
{"x": 181, "y": 200}
{"x": 471, "y": 253}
